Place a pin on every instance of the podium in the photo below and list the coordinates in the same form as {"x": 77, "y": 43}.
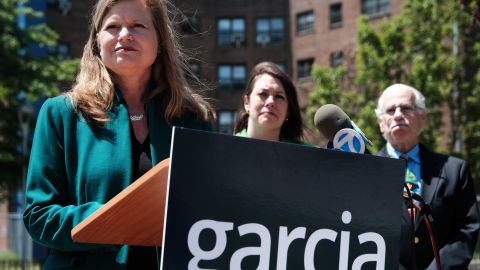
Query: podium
{"x": 241, "y": 203}
{"x": 135, "y": 216}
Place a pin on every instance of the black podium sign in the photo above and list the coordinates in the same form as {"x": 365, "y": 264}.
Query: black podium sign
{"x": 240, "y": 203}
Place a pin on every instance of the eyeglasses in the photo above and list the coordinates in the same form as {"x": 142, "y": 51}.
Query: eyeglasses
{"x": 404, "y": 108}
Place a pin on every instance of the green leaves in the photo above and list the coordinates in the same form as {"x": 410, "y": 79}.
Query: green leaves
{"x": 432, "y": 46}
{"x": 20, "y": 71}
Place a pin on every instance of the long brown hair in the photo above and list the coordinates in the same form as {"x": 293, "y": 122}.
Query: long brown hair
{"x": 94, "y": 91}
{"x": 291, "y": 129}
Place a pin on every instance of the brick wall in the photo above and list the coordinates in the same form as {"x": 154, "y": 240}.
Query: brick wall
{"x": 73, "y": 26}
{"x": 325, "y": 39}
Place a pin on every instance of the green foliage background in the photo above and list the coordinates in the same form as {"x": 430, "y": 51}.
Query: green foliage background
{"x": 20, "y": 72}
{"x": 433, "y": 45}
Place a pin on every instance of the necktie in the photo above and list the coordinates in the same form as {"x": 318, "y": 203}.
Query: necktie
{"x": 411, "y": 181}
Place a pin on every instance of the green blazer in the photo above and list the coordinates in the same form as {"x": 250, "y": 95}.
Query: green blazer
{"x": 75, "y": 167}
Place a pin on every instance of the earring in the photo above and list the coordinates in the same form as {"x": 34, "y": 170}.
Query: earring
{"x": 286, "y": 119}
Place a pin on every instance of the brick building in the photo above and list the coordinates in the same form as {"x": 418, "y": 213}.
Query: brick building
{"x": 70, "y": 19}
{"x": 324, "y": 33}
{"x": 227, "y": 38}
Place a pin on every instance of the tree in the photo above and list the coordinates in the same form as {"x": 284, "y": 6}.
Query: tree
{"x": 24, "y": 78}
{"x": 432, "y": 45}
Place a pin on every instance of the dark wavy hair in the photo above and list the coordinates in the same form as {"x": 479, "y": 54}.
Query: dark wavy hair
{"x": 291, "y": 129}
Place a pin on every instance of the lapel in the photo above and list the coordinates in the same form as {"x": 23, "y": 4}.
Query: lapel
{"x": 160, "y": 130}
{"x": 160, "y": 133}
{"x": 431, "y": 170}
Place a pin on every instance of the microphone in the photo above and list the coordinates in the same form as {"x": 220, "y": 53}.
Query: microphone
{"x": 341, "y": 132}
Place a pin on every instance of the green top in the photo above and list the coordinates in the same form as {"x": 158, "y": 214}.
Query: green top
{"x": 243, "y": 133}
{"x": 75, "y": 167}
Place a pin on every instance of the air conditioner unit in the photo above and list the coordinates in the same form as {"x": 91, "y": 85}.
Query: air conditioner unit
{"x": 236, "y": 40}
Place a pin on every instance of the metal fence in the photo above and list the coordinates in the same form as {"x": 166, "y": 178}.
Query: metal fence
{"x": 18, "y": 239}
{"x": 8, "y": 264}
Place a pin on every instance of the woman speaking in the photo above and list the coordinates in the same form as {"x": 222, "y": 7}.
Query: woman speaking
{"x": 108, "y": 130}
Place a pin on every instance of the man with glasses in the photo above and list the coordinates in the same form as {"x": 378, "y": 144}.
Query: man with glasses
{"x": 444, "y": 183}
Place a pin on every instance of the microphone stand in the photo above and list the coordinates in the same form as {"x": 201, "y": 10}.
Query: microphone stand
{"x": 425, "y": 211}
{"x": 408, "y": 196}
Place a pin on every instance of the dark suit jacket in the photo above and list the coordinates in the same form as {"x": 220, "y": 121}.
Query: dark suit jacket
{"x": 447, "y": 187}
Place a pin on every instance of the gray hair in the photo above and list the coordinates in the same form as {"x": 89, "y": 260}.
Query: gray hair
{"x": 419, "y": 98}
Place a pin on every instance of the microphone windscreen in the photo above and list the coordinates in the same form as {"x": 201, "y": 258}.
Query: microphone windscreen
{"x": 329, "y": 119}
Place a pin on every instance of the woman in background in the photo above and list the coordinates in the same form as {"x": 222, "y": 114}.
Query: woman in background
{"x": 108, "y": 130}
{"x": 270, "y": 108}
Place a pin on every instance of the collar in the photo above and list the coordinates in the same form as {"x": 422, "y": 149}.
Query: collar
{"x": 414, "y": 153}
{"x": 242, "y": 133}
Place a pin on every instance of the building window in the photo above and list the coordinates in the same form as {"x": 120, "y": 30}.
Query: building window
{"x": 304, "y": 68}
{"x": 270, "y": 30}
{"x": 63, "y": 5}
{"x": 190, "y": 24}
{"x": 336, "y": 59}
{"x": 336, "y": 15}
{"x": 231, "y": 76}
{"x": 226, "y": 121}
{"x": 375, "y": 7}
{"x": 231, "y": 32}
{"x": 305, "y": 22}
